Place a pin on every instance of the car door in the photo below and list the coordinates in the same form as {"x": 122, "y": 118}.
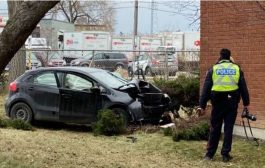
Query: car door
{"x": 109, "y": 61}
{"x": 44, "y": 92}
{"x": 79, "y": 104}
{"x": 99, "y": 60}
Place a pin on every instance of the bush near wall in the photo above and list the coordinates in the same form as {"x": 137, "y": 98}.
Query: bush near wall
{"x": 184, "y": 89}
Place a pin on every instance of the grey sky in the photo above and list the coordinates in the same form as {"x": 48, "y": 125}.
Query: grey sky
{"x": 165, "y": 17}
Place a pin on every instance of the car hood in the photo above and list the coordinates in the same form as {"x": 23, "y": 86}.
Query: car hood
{"x": 137, "y": 88}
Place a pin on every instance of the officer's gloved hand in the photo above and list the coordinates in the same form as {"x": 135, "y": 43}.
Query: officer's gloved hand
{"x": 200, "y": 111}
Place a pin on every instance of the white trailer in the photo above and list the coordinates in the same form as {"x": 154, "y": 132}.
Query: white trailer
{"x": 73, "y": 41}
{"x": 94, "y": 40}
{"x": 149, "y": 43}
{"x": 192, "y": 41}
{"x": 122, "y": 43}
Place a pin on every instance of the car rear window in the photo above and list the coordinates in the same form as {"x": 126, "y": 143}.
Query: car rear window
{"x": 116, "y": 56}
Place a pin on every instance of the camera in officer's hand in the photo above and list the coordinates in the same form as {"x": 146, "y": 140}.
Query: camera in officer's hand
{"x": 245, "y": 114}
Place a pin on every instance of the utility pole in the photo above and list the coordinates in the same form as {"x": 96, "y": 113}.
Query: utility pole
{"x": 152, "y": 16}
{"x": 135, "y": 24}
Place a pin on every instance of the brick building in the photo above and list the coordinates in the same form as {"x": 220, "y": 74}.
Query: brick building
{"x": 239, "y": 26}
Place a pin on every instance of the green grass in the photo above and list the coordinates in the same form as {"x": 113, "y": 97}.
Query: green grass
{"x": 64, "y": 147}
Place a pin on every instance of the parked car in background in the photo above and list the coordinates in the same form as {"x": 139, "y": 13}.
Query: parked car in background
{"x": 154, "y": 64}
{"x": 75, "y": 94}
{"x": 55, "y": 59}
{"x": 32, "y": 62}
{"x": 109, "y": 61}
{"x": 82, "y": 61}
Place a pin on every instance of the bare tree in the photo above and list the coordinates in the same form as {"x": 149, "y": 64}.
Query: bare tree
{"x": 19, "y": 26}
{"x": 97, "y": 12}
{"x": 17, "y": 65}
{"x": 189, "y": 9}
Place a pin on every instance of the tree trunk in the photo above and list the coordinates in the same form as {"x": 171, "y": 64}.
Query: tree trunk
{"x": 17, "y": 65}
{"x": 19, "y": 26}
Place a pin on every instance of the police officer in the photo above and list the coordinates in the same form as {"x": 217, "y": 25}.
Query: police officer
{"x": 224, "y": 85}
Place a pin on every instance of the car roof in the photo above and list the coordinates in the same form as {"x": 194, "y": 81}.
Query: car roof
{"x": 69, "y": 68}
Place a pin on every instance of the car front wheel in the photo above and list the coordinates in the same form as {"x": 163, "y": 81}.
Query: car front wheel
{"x": 148, "y": 71}
{"x": 121, "y": 113}
{"x": 21, "y": 111}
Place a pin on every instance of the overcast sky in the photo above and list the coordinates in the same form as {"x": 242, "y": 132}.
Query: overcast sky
{"x": 164, "y": 16}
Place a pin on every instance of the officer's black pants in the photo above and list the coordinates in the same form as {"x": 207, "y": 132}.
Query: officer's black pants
{"x": 224, "y": 110}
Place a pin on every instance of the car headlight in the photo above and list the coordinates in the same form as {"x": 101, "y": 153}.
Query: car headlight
{"x": 64, "y": 62}
{"x": 166, "y": 95}
{"x": 77, "y": 62}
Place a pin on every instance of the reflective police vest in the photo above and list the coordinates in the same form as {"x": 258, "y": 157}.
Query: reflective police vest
{"x": 225, "y": 76}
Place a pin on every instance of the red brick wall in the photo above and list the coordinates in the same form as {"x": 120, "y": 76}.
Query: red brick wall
{"x": 239, "y": 26}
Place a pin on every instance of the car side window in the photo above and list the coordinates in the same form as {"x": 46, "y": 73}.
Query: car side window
{"x": 46, "y": 78}
{"x": 140, "y": 58}
{"x": 98, "y": 56}
{"x": 76, "y": 82}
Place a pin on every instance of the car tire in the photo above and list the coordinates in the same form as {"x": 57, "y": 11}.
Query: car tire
{"x": 119, "y": 66}
{"x": 21, "y": 111}
{"x": 130, "y": 72}
{"x": 148, "y": 71}
{"x": 85, "y": 65}
{"x": 122, "y": 113}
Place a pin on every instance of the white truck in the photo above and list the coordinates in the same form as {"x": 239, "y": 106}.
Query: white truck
{"x": 149, "y": 43}
{"x": 87, "y": 40}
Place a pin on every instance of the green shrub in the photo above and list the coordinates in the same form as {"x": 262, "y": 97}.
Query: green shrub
{"x": 17, "y": 124}
{"x": 185, "y": 90}
{"x": 3, "y": 80}
{"x": 108, "y": 123}
{"x": 199, "y": 131}
{"x": 20, "y": 124}
{"x": 3, "y": 123}
{"x": 168, "y": 131}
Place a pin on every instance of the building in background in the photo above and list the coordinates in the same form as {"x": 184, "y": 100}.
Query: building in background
{"x": 239, "y": 26}
{"x": 89, "y": 27}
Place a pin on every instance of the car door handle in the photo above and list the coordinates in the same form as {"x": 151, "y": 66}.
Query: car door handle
{"x": 31, "y": 88}
{"x": 67, "y": 96}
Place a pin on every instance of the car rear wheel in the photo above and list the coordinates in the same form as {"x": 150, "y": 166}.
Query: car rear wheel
{"x": 148, "y": 71}
{"x": 21, "y": 111}
{"x": 130, "y": 72}
{"x": 85, "y": 65}
{"x": 121, "y": 113}
{"x": 119, "y": 67}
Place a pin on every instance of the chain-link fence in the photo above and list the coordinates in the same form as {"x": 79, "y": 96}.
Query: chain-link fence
{"x": 166, "y": 64}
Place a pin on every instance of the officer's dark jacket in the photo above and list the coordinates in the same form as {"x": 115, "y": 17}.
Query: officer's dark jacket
{"x": 207, "y": 94}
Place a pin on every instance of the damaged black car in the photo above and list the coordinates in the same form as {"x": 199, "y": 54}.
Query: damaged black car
{"x": 76, "y": 94}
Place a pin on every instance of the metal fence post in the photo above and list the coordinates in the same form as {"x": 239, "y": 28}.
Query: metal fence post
{"x": 92, "y": 60}
{"x": 167, "y": 72}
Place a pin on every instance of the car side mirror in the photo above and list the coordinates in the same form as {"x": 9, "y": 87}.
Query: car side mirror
{"x": 95, "y": 90}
